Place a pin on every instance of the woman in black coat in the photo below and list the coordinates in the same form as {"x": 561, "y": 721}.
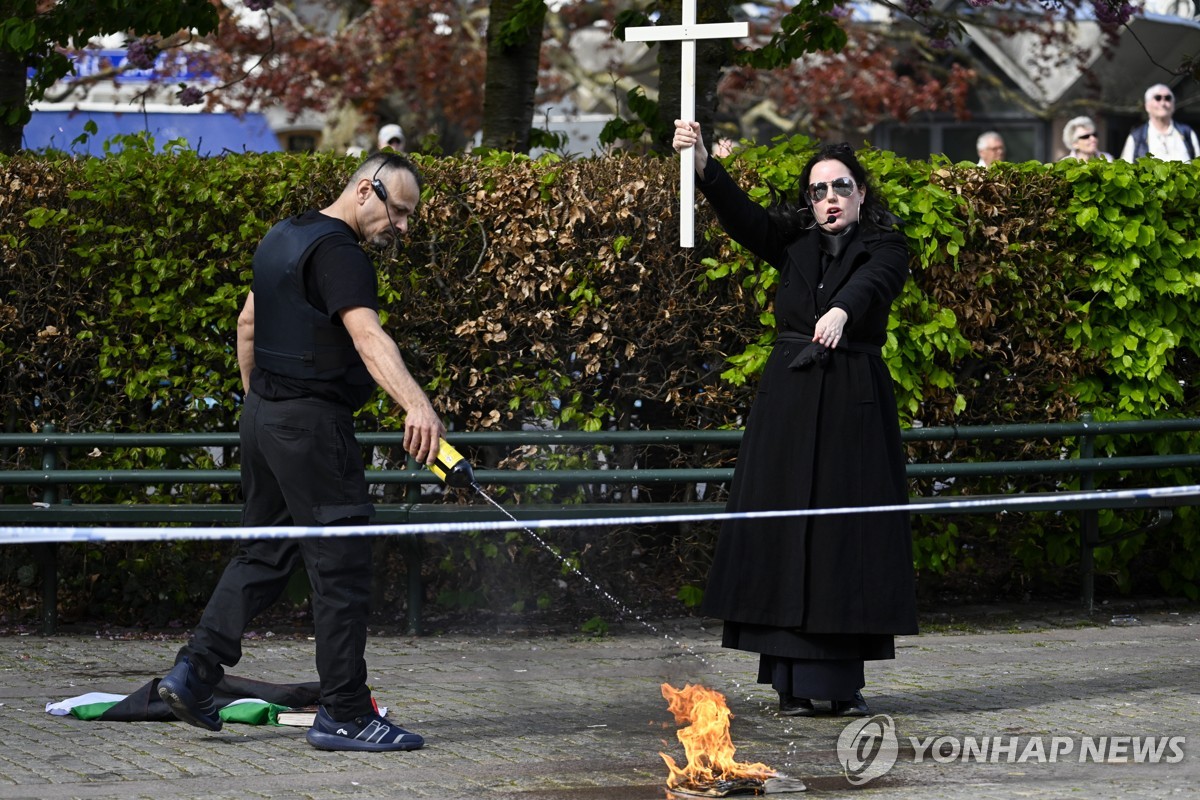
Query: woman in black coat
{"x": 817, "y": 596}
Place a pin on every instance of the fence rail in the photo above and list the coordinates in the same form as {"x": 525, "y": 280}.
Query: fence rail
{"x": 54, "y": 509}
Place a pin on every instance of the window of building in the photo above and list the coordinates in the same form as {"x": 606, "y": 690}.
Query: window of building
{"x": 300, "y": 142}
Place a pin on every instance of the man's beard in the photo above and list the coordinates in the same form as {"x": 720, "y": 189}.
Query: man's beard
{"x": 384, "y": 240}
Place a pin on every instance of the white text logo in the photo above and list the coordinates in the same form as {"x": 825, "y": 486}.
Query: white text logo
{"x": 1043, "y": 750}
{"x": 869, "y": 748}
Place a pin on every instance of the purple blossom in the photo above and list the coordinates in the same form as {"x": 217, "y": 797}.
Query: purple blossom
{"x": 142, "y": 53}
{"x": 260, "y": 5}
{"x": 915, "y": 8}
{"x": 190, "y": 96}
{"x": 1111, "y": 13}
{"x": 941, "y": 44}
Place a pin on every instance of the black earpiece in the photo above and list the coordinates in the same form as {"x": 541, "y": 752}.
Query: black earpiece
{"x": 377, "y": 185}
{"x": 381, "y": 192}
{"x": 811, "y": 210}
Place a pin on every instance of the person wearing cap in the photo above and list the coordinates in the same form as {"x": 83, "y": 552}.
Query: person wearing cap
{"x": 1160, "y": 136}
{"x": 391, "y": 136}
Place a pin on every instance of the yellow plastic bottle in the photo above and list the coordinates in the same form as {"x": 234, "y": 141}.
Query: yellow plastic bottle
{"x": 452, "y": 468}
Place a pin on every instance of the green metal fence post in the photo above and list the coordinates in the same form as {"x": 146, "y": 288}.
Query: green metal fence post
{"x": 414, "y": 555}
{"x": 47, "y": 554}
{"x": 1089, "y": 523}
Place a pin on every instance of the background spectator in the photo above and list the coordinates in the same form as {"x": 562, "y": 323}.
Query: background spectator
{"x": 391, "y": 136}
{"x": 1081, "y": 140}
{"x": 990, "y": 146}
{"x": 1161, "y": 136}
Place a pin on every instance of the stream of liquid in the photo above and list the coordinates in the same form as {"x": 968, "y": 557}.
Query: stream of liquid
{"x": 628, "y": 612}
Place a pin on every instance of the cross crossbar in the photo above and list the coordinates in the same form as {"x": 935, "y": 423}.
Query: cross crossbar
{"x": 663, "y": 33}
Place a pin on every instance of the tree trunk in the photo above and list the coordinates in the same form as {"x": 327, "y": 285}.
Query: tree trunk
{"x": 12, "y": 95}
{"x": 510, "y": 84}
{"x": 712, "y": 56}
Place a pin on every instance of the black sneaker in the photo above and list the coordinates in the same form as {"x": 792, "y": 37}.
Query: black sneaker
{"x": 188, "y": 698}
{"x": 370, "y": 732}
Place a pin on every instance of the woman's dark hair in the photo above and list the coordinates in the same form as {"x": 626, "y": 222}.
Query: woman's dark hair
{"x": 792, "y": 213}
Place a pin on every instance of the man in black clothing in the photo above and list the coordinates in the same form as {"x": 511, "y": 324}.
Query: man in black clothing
{"x": 311, "y": 350}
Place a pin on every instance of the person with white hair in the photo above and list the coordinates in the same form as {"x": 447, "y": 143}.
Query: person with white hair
{"x": 1081, "y": 140}
{"x": 391, "y": 136}
{"x": 990, "y": 147}
{"x": 1161, "y": 136}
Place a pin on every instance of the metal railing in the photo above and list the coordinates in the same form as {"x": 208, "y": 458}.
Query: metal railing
{"x": 53, "y": 509}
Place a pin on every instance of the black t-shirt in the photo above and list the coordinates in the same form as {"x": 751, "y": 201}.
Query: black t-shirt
{"x": 337, "y": 276}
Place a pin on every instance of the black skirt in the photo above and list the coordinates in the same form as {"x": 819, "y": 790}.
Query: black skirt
{"x": 816, "y": 666}
{"x": 792, "y": 643}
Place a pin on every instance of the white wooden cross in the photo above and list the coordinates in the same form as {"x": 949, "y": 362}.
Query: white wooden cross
{"x": 687, "y": 34}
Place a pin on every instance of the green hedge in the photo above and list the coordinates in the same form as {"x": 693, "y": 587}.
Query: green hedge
{"x": 555, "y": 292}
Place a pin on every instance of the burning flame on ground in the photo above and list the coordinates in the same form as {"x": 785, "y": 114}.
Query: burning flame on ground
{"x": 706, "y": 741}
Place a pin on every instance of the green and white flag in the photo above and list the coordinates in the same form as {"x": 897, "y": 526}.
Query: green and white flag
{"x": 241, "y": 700}
{"x": 95, "y": 705}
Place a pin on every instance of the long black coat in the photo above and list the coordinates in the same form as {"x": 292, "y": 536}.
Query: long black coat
{"x": 818, "y": 437}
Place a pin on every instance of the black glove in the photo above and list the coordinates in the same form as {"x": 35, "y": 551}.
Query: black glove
{"x": 814, "y": 353}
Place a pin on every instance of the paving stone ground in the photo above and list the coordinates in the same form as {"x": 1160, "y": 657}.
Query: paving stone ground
{"x": 542, "y": 717}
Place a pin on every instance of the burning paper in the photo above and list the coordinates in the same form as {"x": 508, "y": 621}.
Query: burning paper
{"x": 711, "y": 770}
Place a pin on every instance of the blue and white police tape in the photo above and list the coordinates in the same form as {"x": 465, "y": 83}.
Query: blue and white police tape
{"x": 1056, "y": 501}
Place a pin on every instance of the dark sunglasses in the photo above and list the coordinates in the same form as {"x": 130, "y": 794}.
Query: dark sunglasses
{"x": 1164, "y": 98}
{"x": 842, "y": 187}
{"x": 1091, "y": 135}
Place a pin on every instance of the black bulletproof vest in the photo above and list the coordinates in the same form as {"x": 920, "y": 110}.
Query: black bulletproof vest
{"x": 291, "y": 337}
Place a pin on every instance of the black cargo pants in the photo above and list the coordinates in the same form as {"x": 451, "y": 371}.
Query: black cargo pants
{"x": 300, "y": 465}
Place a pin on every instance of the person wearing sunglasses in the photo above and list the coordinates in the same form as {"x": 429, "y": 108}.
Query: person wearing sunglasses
{"x": 1161, "y": 136}
{"x": 1081, "y": 140}
{"x": 816, "y": 596}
